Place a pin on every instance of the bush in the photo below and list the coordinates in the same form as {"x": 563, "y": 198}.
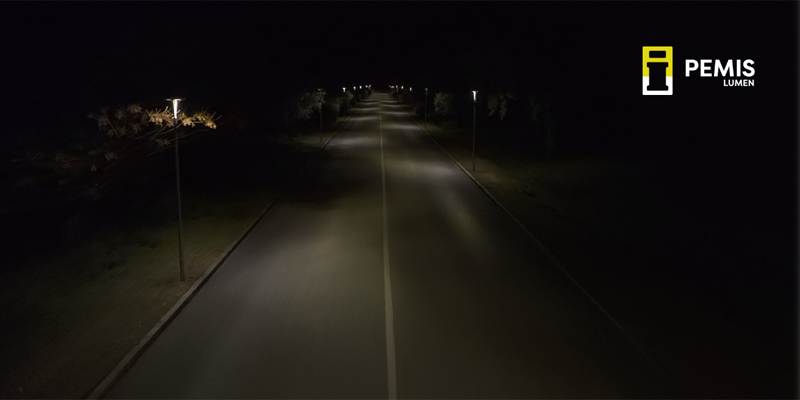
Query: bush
{"x": 331, "y": 110}
{"x": 444, "y": 103}
{"x": 301, "y": 106}
{"x": 104, "y": 163}
{"x": 497, "y": 103}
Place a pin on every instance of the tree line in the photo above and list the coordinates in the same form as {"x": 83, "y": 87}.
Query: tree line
{"x": 519, "y": 118}
{"x": 115, "y": 148}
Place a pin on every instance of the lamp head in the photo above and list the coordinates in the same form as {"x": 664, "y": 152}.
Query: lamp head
{"x": 174, "y": 106}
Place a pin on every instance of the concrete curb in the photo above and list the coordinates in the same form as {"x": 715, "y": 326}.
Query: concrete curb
{"x": 105, "y": 386}
{"x": 644, "y": 353}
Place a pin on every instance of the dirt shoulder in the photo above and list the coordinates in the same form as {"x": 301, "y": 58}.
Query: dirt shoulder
{"x": 660, "y": 266}
{"x": 70, "y": 316}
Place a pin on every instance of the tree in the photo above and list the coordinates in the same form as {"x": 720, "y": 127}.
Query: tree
{"x": 497, "y": 103}
{"x": 126, "y": 136}
{"x": 346, "y": 101}
{"x": 339, "y": 103}
{"x": 443, "y": 103}
{"x": 540, "y": 116}
{"x": 135, "y": 132}
{"x": 300, "y": 106}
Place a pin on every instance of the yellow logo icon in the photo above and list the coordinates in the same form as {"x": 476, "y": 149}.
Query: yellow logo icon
{"x": 657, "y": 68}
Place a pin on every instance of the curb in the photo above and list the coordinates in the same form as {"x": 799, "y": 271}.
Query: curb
{"x": 127, "y": 362}
{"x": 552, "y": 258}
{"x": 644, "y": 353}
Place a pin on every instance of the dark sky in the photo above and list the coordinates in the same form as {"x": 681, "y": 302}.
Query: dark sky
{"x": 71, "y": 58}
{"x": 228, "y": 43}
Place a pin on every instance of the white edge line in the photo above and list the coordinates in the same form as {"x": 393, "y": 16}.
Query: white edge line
{"x": 555, "y": 261}
{"x": 127, "y": 362}
{"x": 391, "y": 361}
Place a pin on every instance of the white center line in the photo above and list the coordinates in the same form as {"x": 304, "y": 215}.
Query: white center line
{"x": 391, "y": 364}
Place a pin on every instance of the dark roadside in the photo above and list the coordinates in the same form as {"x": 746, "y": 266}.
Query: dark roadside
{"x": 86, "y": 283}
{"x": 698, "y": 268}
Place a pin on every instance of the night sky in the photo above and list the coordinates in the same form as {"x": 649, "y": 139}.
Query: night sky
{"x": 81, "y": 54}
{"x": 62, "y": 60}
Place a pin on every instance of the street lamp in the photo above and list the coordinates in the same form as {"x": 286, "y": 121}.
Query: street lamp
{"x": 474, "y": 105}
{"x": 178, "y": 185}
{"x": 344, "y": 90}
{"x": 426, "y": 107}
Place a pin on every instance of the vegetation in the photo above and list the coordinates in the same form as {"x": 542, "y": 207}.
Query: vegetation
{"x": 443, "y": 103}
{"x": 93, "y": 165}
{"x": 497, "y": 103}
{"x": 521, "y": 123}
{"x": 299, "y": 107}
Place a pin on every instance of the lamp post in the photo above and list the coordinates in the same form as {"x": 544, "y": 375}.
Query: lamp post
{"x": 320, "y": 114}
{"x": 474, "y": 105}
{"x": 426, "y": 107}
{"x": 178, "y": 185}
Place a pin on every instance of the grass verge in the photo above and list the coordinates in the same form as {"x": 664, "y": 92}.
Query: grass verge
{"x": 677, "y": 267}
{"x": 71, "y": 315}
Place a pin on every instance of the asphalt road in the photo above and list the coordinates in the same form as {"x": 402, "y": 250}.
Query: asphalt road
{"x": 385, "y": 271}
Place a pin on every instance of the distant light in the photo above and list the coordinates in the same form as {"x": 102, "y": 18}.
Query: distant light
{"x": 474, "y": 95}
{"x": 409, "y": 89}
{"x": 401, "y": 88}
{"x": 359, "y": 86}
{"x": 344, "y": 90}
{"x": 426, "y": 91}
{"x": 354, "y": 88}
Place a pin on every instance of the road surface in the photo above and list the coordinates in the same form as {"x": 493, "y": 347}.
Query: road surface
{"x": 384, "y": 271}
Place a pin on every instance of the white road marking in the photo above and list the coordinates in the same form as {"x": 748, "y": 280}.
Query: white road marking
{"x": 391, "y": 363}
